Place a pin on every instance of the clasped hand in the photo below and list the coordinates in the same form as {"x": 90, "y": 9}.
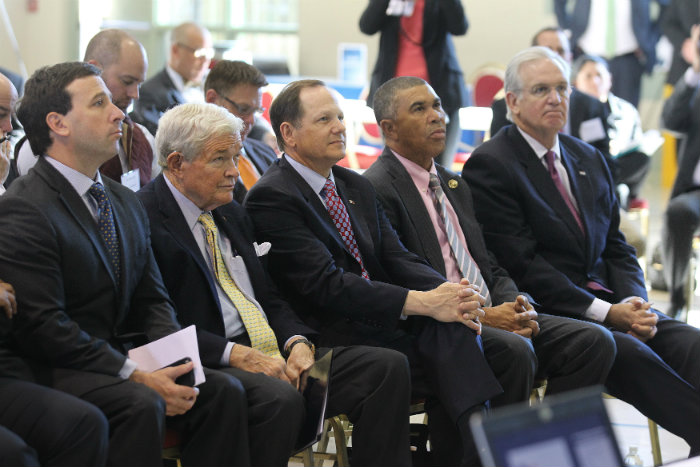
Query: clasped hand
{"x": 293, "y": 371}
{"x": 634, "y": 317}
{"x": 7, "y": 299}
{"x": 518, "y": 317}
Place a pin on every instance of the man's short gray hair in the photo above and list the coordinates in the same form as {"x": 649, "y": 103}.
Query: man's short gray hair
{"x": 514, "y": 83}
{"x": 187, "y": 127}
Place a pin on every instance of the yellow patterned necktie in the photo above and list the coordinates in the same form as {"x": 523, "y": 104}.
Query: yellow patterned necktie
{"x": 261, "y": 335}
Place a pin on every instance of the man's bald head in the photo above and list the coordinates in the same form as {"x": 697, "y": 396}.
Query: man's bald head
{"x": 8, "y": 99}
{"x": 123, "y": 62}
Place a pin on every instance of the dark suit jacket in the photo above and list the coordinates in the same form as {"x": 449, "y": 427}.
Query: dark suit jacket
{"x": 262, "y": 156}
{"x": 676, "y": 21}
{"x": 645, "y": 30}
{"x": 313, "y": 267}
{"x": 682, "y": 113}
{"x": 582, "y": 107}
{"x": 405, "y": 209}
{"x": 72, "y": 306}
{"x": 189, "y": 281}
{"x": 440, "y": 20}
{"x": 534, "y": 236}
{"x": 157, "y": 94}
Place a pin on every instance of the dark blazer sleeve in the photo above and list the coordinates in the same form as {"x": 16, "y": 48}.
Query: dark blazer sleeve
{"x": 374, "y": 17}
{"x": 498, "y": 107}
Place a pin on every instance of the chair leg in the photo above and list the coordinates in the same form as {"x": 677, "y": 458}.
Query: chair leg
{"x": 655, "y": 443}
{"x": 308, "y": 457}
{"x": 341, "y": 447}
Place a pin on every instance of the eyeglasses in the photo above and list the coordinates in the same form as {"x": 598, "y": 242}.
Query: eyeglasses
{"x": 204, "y": 52}
{"x": 541, "y": 91}
{"x": 245, "y": 110}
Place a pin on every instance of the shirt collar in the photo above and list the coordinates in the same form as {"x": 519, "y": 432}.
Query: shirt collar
{"x": 79, "y": 181}
{"x": 315, "y": 180}
{"x": 175, "y": 78}
{"x": 541, "y": 150}
{"x": 420, "y": 176}
{"x": 187, "y": 207}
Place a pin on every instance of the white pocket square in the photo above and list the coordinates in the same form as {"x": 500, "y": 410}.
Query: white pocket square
{"x": 262, "y": 249}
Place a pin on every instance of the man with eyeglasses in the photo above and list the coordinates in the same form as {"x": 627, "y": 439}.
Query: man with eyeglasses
{"x": 237, "y": 87}
{"x": 180, "y": 81}
{"x": 549, "y": 213}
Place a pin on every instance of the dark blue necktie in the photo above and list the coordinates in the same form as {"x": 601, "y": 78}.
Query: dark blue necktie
{"x": 105, "y": 224}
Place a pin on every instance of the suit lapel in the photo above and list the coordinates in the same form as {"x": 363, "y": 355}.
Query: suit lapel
{"x": 543, "y": 183}
{"x": 349, "y": 195}
{"x": 415, "y": 208}
{"x": 76, "y": 207}
{"x": 174, "y": 222}
{"x": 580, "y": 187}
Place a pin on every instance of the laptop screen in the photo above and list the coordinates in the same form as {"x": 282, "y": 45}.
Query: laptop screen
{"x": 567, "y": 430}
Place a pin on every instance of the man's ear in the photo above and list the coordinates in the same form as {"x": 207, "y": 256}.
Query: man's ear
{"x": 174, "y": 162}
{"x": 211, "y": 96}
{"x": 513, "y": 101}
{"x": 288, "y": 134}
{"x": 388, "y": 129}
{"x": 96, "y": 63}
{"x": 57, "y": 124}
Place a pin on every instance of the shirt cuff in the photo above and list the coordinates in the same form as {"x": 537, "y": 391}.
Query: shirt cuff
{"x": 692, "y": 77}
{"x": 129, "y": 367}
{"x": 226, "y": 357}
{"x": 292, "y": 339}
{"x": 598, "y": 310}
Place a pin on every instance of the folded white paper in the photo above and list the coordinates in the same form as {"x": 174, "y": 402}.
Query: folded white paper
{"x": 170, "y": 349}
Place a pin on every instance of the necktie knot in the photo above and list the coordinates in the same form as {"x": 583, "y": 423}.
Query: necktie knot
{"x": 98, "y": 192}
{"x": 207, "y": 221}
{"x": 550, "y": 157}
{"x": 328, "y": 189}
{"x": 434, "y": 182}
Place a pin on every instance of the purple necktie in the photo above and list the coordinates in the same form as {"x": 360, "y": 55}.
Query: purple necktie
{"x": 549, "y": 157}
{"x": 339, "y": 214}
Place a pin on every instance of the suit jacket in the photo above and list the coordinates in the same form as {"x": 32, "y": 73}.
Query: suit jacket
{"x": 645, "y": 30}
{"x": 157, "y": 95}
{"x": 189, "y": 280}
{"x": 262, "y": 156}
{"x": 407, "y": 213}
{"x": 681, "y": 113}
{"x": 534, "y": 236}
{"x": 440, "y": 20}
{"x": 328, "y": 291}
{"x": 582, "y": 108}
{"x": 73, "y": 308}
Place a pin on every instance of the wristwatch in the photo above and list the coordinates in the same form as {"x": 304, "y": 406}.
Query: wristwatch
{"x": 302, "y": 340}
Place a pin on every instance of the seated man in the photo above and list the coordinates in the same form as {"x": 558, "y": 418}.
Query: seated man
{"x": 416, "y": 193}
{"x": 550, "y": 215}
{"x": 236, "y": 86}
{"x": 203, "y": 243}
{"x": 337, "y": 260}
{"x": 38, "y": 425}
{"x": 123, "y": 62}
{"x": 8, "y": 99}
{"x": 76, "y": 248}
{"x": 681, "y": 113}
{"x": 590, "y": 74}
{"x": 180, "y": 81}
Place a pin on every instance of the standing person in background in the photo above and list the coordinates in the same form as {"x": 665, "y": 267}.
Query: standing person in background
{"x": 415, "y": 41}
{"x": 621, "y": 31}
{"x": 678, "y": 18}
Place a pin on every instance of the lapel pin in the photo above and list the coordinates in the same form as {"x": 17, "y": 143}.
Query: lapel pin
{"x": 581, "y": 172}
{"x": 452, "y": 183}
{"x": 351, "y": 201}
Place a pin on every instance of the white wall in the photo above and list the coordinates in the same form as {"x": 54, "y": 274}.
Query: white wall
{"x": 45, "y": 37}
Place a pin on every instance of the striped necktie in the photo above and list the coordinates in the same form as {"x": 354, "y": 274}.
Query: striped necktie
{"x": 467, "y": 266}
{"x": 261, "y": 335}
{"x": 105, "y": 224}
{"x": 341, "y": 219}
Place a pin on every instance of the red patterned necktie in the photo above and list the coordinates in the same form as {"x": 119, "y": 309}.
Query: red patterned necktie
{"x": 554, "y": 173}
{"x": 339, "y": 214}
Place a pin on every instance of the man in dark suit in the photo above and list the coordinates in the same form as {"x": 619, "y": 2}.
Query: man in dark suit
{"x": 337, "y": 260}
{"x": 370, "y": 385}
{"x": 550, "y": 215}
{"x": 588, "y": 117}
{"x": 625, "y": 35}
{"x": 8, "y": 99}
{"x": 76, "y": 248}
{"x": 180, "y": 81}
{"x": 681, "y": 113}
{"x": 236, "y": 86}
{"x": 679, "y": 16}
{"x": 570, "y": 353}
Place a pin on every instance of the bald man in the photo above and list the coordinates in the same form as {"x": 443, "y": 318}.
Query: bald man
{"x": 180, "y": 81}
{"x": 124, "y": 65}
{"x": 8, "y": 98}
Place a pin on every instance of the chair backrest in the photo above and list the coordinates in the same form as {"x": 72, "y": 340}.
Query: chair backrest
{"x": 486, "y": 81}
